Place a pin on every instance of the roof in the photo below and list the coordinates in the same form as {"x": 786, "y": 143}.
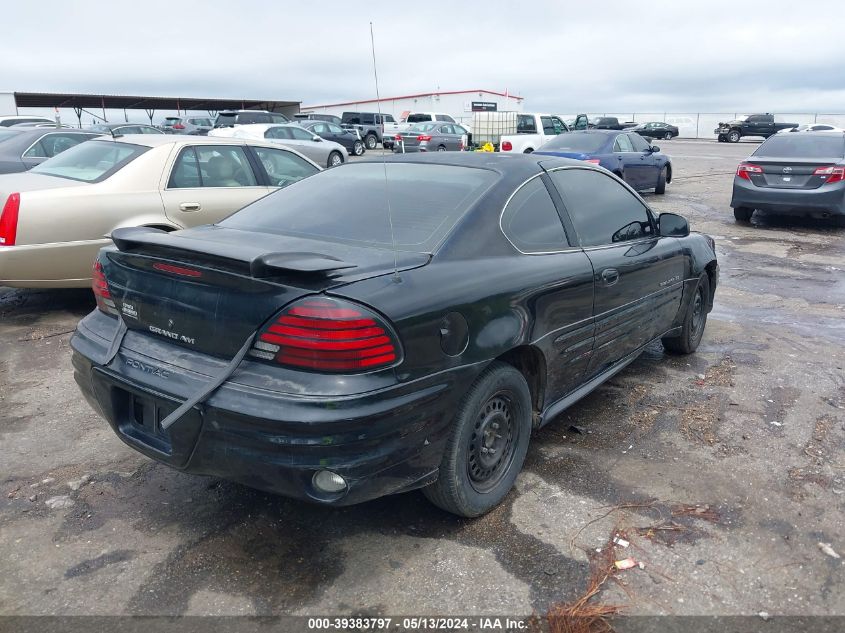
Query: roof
{"x": 157, "y": 140}
{"x": 119, "y": 102}
{"x": 422, "y": 94}
{"x": 503, "y": 163}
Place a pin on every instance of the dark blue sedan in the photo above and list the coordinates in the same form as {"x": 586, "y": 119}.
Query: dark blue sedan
{"x": 626, "y": 154}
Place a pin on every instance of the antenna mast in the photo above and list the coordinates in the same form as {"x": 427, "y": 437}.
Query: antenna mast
{"x": 384, "y": 163}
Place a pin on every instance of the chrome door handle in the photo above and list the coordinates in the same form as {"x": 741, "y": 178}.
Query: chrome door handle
{"x": 190, "y": 206}
{"x": 610, "y": 276}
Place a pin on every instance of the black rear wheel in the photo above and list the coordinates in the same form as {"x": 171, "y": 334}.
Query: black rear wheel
{"x": 743, "y": 214}
{"x": 668, "y": 136}
{"x": 487, "y": 445}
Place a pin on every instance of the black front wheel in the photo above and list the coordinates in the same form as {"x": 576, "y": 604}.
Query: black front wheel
{"x": 668, "y": 136}
{"x": 358, "y": 148}
{"x": 487, "y": 445}
{"x": 660, "y": 189}
{"x": 734, "y": 136}
{"x": 694, "y": 321}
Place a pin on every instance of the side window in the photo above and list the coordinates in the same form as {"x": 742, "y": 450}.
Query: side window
{"x": 53, "y": 144}
{"x": 531, "y": 222}
{"x": 447, "y": 129}
{"x": 276, "y": 118}
{"x": 335, "y": 129}
{"x": 352, "y": 119}
{"x": 548, "y": 125}
{"x": 419, "y": 118}
{"x": 560, "y": 126}
{"x": 368, "y": 119}
{"x": 388, "y": 118}
{"x": 283, "y": 167}
{"x": 278, "y": 133}
{"x": 300, "y": 134}
{"x": 622, "y": 144}
{"x": 320, "y": 128}
{"x": 37, "y": 150}
{"x": 186, "y": 171}
{"x": 602, "y": 210}
{"x": 638, "y": 142}
{"x": 525, "y": 124}
{"x": 212, "y": 166}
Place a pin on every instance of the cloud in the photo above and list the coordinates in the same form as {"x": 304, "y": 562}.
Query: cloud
{"x": 561, "y": 56}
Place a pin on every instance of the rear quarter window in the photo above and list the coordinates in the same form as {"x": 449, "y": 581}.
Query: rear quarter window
{"x": 531, "y": 222}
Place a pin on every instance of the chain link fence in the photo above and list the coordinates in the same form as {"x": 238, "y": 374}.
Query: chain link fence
{"x": 702, "y": 124}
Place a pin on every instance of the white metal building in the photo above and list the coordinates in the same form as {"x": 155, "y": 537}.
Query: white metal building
{"x": 458, "y": 103}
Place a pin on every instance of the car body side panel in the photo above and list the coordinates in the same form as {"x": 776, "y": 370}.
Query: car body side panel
{"x": 643, "y": 300}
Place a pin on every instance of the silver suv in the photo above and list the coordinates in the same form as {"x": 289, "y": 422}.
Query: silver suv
{"x": 196, "y": 125}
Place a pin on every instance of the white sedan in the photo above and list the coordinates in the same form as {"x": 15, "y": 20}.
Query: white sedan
{"x": 812, "y": 127}
{"x": 321, "y": 151}
{"x": 57, "y": 216}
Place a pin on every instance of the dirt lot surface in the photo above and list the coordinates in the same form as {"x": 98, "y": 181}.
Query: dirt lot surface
{"x": 724, "y": 470}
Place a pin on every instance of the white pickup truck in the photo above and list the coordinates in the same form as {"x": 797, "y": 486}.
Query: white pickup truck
{"x": 533, "y": 130}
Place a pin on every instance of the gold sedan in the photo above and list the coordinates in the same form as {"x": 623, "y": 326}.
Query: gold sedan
{"x": 57, "y": 216}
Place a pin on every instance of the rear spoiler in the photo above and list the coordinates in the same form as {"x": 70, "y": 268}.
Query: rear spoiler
{"x": 258, "y": 264}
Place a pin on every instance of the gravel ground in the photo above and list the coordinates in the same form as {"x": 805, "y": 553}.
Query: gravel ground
{"x": 724, "y": 470}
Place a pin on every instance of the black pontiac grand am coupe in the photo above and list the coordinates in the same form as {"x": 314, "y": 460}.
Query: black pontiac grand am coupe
{"x": 292, "y": 347}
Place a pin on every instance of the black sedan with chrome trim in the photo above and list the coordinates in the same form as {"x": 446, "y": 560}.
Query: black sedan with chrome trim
{"x": 413, "y": 341}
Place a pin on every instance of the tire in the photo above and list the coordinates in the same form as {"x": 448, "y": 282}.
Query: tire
{"x": 668, "y": 136}
{"x": 358, "y": 148}
{"x": 734, "y": 136}
{"x": 721, "y": 138}
{"x": 441, "y": 148}
{"x": 471, "y": 480}
{"x": 743, "y": 214}
{"x": 660, "y": 189}
{"x": 335, "y": 159}
{"x": 370, "y": 141}
{"x": 695, "y": 321}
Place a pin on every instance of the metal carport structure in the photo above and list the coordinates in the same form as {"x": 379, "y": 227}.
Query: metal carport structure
{"x": 83, "y": 102}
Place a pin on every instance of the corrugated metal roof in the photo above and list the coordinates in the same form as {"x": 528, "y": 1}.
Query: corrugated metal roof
{"x": 119, "y": 102}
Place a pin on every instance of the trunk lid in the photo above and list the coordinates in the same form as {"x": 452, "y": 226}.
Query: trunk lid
{"x": 209, "y": 288}
{"x": 29, "y": 181}
{"x": 790, "y": 173}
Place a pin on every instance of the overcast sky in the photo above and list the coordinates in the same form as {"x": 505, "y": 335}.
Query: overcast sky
{"x": 681, "y": 56}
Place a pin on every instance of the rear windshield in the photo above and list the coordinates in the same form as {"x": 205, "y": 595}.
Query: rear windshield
{"x": 171, "y": 119}
{"x": 347, "y": 204}
{"x": 90, "y": 162}
{"x": 422, "y": 127}
{"x": 575, "y": 142}
{"x": 797, "y": 145}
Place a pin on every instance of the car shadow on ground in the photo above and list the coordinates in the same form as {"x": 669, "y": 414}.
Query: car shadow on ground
{"x": 26, "y": 306}
{"x": 764, "y": 219}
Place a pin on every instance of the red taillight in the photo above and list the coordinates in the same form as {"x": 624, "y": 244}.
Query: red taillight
{"x": 101, "y": 289}
{"x": 398, "y": 137}
{"x": 328, "y": 335}
{"x": 747, "y": 168}
{"x": 834, "y": 174}
{"x": 593, "y": 161}
{"x": 178, "y": 126}
{"x": 9, "y": 220}
{"x": 177, "y": 270}
{"x": 507, "y": 146}
{"x": 423, "y": 137}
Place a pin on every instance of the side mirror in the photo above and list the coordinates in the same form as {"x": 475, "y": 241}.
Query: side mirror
{"x": 653, "y": 149}
{"x": 672, "y": 225}
{"x": 316, "y": 138}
